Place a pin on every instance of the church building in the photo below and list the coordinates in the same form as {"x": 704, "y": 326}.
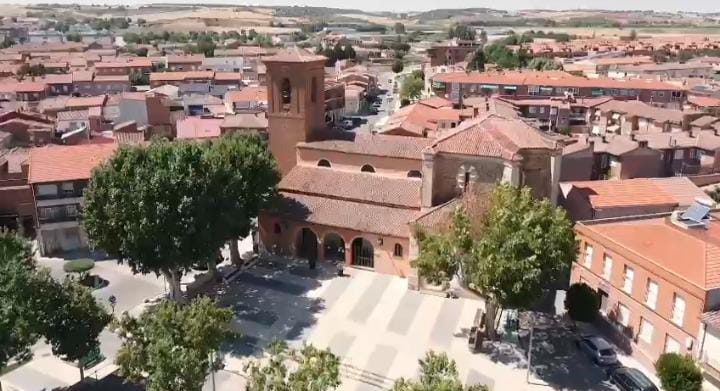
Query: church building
{"x": 355, "y": 197}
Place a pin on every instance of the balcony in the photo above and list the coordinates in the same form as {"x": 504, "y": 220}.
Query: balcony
{"x": 711, "y": 369}
{"x": 59, "y": 195}
{"x": 58, "y": 214}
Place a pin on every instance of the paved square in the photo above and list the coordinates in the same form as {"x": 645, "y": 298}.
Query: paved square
{"x": 375, "y": 325}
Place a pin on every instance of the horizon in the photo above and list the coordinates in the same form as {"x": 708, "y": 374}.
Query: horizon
{"x": 403, "y": 6}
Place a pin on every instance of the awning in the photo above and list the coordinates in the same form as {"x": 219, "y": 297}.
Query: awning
{"x": 597, "y": 92}
{"x": 513, "y": 88}
{"x": 489, "y": 86}
{"x": 546, "y": 89}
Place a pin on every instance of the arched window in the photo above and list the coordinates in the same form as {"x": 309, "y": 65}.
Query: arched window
{"x": 285, "y": 94}
{"x": 398, "y": 252}
{"x": 367, "y": 168}
{"x": 313, "y": 90}
{"x": 466, "y": 180}
{"x": 414, "y": 174}
{"x": 323, "y": 163}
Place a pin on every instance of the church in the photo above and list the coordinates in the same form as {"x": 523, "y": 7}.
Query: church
{"x": 355, "y": 197}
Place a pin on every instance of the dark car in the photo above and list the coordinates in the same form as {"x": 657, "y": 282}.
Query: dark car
{"x": 599, "y": 350}
{"x": 631, "y": 379}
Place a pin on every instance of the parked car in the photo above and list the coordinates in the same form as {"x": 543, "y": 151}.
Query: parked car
{"x": 348, "y": 124}
{"x": 630, "y": 379}
{"x": 598, "y": 349}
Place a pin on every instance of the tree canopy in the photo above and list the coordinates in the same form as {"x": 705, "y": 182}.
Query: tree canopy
{"x": 313, "y": 370}
{"x": 678, "y": 373}
{"x": 398, "y": 66}
{"x": 462, "y": 31}
{"x": 505, "y": 244}
{"x": 544, "y": 64}
{"x": 171, "y": 347}
{"x": 437, "y": 373}
{"x": 165, "y": 207}
{"x": 412, "y": 86}
{"x": 582, "y": 303}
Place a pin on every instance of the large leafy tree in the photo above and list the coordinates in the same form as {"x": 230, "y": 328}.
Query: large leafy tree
{"x": 171, "y": 347}
{"x": 437, "y": 373}
{"x": 312, "y": 370}
{"x": 19, "y": 312}
{"x": 166, "y": 207}
{"x": 74, "y": 321}
{"x": 245, "y": 177}
{"x": 412, "y": 86}
{"x": 510, "y": 251}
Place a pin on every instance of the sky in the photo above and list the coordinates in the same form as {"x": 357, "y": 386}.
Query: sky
{"x": 423, "y": 5}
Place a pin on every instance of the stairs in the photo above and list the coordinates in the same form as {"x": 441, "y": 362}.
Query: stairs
{"x": 351, "y": 372}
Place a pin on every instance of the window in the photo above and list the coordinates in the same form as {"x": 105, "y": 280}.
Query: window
{"x": 678, "y": 310}
{"x": 45, "y": 190}
{"x": 68, "y": 188}
{"x": 646, "y": 331}
{"x": 71, "y": 210}
{"x": 623, "y": 315}
{"x": 323, "y": 163}
{"x": 661, "y": 94}
{"x": 277, "y": 228}
{"x": 367, "y": 168}
{"x": 588, "y": 255}
{"x": 607, "y": 267}
{"x": 629, "y": 276}
{"x": 542, "y": 110}
{"x": 651, "y": 294}
{"x": 532, "y": 109}
{"x": 679, "y": 154}
{"x": 533, "y": 90}
{"x": 398, "y": 252}
{"x": 285, "y": 94}
{"x": 414, "y": 174}
{"x": 671, "y": 345}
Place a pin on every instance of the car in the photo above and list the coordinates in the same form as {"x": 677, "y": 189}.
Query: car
{"x": 598, "y": 349}
{"x": 348, "y": 124}
{"x": 630, "y": 379}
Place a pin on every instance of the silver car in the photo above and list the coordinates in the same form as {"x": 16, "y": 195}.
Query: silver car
{"x": 598, "y": 349}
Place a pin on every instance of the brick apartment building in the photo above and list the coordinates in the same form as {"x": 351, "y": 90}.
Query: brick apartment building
{"x": 655, "y": 275}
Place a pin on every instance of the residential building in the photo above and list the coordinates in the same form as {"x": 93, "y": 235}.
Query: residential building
{"x": 710, "y": 350}
{"x": 451, "y": 53}
{"x": 655, "y": 276}
{"x": 16, "y": 199}
{"x": 426, "y": 118}
{"x": 58, "y": 175}
{"x": 248, "y": 99}
{"x": 185, "y": 63}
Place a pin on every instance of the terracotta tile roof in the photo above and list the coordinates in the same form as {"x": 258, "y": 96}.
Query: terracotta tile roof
{"x": 136, "y": 62}
{"x": 82, "y": 76}
{"x": 704, "y": 121}
{"x": 185, "y": 59}
{"x": 670, "y": 192}
{"x": 704, "y": 101}
{"x": 436, "y": 217}
{"x": 375, "y": 145}
{"x": 294, "y": 54}
{"x": 691, "y": 254}
{"x": 421, "y": 117}
{"x": 66, "y": 163}
{"x": 82, "y": 102}
{"x": 493, "y": 136}
{"x": 551, "y": 79}
{"x": 196, "y": 128}
{"x": 74, "y": 115}
{"x": 711, "y": 318}
{"x": 228, "y": 76}
{"x": 356, "y": 186}
{"x": 354, "y": 216}
{"x": 113, "y": 78}
{"x": 248, "y": 94}
{"x": 30, "y": 87}
{"x": 246, "y": 121}
{"x": 640, "y": 109}
{"x": 58, "y": 79}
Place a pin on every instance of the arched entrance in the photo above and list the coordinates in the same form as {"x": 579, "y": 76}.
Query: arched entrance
{"x": 363, "y": 253}
{"x": 307, "y": 245}
{"x": 334, "y": 247}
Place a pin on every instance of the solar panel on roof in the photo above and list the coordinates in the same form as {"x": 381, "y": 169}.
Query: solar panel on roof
{"x": 696, "y": 213}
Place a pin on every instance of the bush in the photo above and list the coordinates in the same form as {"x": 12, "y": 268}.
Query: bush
{"x": 581, "y": 303}
{"x": 398, "y": 66}
{"x": 678, "y": 373}
{"x": 78, "y": 265}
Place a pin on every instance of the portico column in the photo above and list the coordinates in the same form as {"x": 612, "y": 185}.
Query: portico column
{"x": 428, "y": 167}
{"x": 511, "y": 174}
{"x": 555, "y": 166}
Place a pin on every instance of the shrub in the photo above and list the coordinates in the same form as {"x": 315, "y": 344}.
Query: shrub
{"x": 78, "y": 265}
{"x": 581, "y": 303}
{"x": 678, "y": 373}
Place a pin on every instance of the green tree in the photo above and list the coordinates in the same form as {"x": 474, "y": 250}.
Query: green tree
{"x": 476, "y": 61}
{"x": 462, "y": 31}
{"x": 313, "y": 370}
{"x": 412, "y": 86}
{"x": 398, "y": 66}
{"x": 678, "y": 373}
{"x": 483, "y": 37}
{"x": 7, "y": 42}
{"x": 171, "y": 347}
{"x": 73, "y": 37}
{"x": 74, "y": 322}
{"x": 509, "y": 247}
{"x": 633, "y": 35}
{"x": 582, "y": 303}
{"x": 349, "y": 52}
{"x": 246, "y": 179}
{"x": 138, "y": 78}
{"x": 437, "y": 373}
{"x": 543, "y": 64}
{"x": 399, "y": 28}
{"x": 20, "y": 325}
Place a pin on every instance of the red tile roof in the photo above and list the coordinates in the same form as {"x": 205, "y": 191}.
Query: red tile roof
{"x": 375, "y": 145}
{"x": 356, "y": 186}
{"x": 84, "y": 102}
{"x": 294, "y": 54}
{"x": 67, "y": 163}
{"x": 196, "y": 128}
{"x": 704, "y": 101}
{"x": 248, "y": 94}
